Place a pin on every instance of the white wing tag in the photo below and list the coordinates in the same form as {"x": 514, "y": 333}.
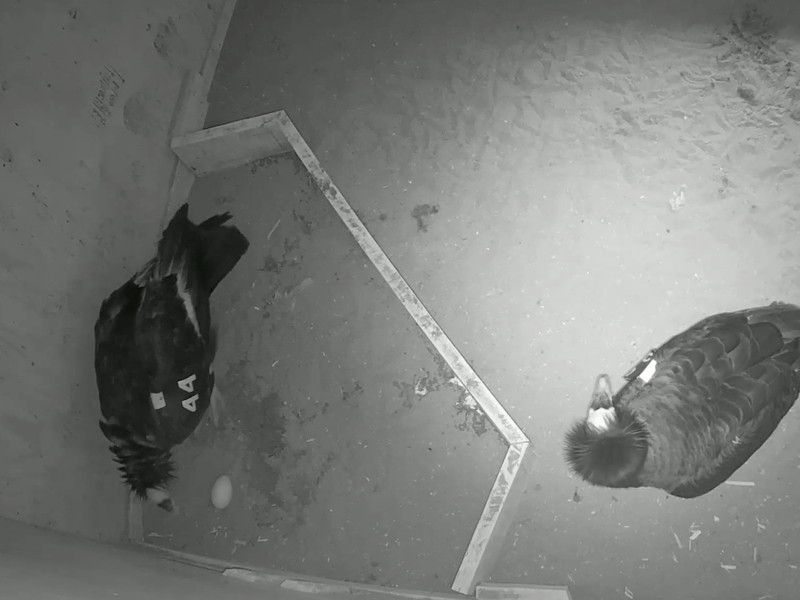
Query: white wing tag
{"x": 158, "y": 400}
{"x": 187, "y": 385}
{"x": 648, "y": 372}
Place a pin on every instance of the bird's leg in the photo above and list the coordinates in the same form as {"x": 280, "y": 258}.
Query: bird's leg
{"x": 217, "y": 405}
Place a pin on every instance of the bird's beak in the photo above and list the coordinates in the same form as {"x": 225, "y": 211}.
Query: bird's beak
{"x": 601, "y": 415}
{"x": 603, "y": 394}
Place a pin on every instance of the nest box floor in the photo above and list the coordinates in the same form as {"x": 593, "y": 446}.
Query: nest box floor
{"x": 565, "y": 185}
{"x": 352, "y": 454}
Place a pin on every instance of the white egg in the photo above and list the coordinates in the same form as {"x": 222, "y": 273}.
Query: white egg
{"x": 222, "y": 492}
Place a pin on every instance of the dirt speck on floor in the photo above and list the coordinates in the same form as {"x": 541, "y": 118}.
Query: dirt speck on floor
{"x": 421, "y": 212}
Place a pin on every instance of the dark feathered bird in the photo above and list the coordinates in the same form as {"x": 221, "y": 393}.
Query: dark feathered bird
{"x": 694, "y": 410}
{"x": 154, "y": 345}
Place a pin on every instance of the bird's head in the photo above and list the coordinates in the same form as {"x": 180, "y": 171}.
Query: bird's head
{"x": 160, "y": 498}
{"x": 609, "y": 446}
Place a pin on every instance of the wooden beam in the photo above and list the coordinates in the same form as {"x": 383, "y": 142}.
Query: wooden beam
{"x": 292, "y": 581}
{"x": 498, "y": 514}
{"x": 192, "y": 109}
{"x": 236, "y": 144}
{"x": 180, "y": 187}
{"x": 316, "y": 585}
{"x": 205, "y": 562}
{"x": 462, "y": 369}
{"x": 232, "y": 145}
{"x": 502, "y": 591}
{"x": 501, "y": 506}
{"x": 201, "y": 152}
{"x": 193, "y": 105}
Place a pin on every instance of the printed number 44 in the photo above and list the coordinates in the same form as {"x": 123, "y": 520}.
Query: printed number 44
{"x": 187, "y": 385}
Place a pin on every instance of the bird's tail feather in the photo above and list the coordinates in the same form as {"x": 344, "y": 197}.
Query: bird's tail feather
{"x": 174, "y": 245}
{"x": 217, "y": 247}
{"x": 223, "y": 246}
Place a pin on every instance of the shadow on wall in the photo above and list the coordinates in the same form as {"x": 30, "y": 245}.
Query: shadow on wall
{"x": 88, "y": 96}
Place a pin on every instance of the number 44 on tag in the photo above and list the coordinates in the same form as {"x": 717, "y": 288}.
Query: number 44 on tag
{"x": 187, "y": 385}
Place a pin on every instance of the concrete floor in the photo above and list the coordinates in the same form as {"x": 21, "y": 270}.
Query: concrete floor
{"x": 43, "y": 564}
{"x": 352, "y": 455}
{"x": 549, "y": 138}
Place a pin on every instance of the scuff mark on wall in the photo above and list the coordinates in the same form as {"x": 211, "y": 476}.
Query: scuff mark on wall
{"x": 84, "y": 173}
{"x": 141, "y": 116}
{"x": 166, "y": 38}
{"x": 108, "y": 92}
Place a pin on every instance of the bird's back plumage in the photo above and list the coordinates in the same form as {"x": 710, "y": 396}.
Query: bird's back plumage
{"x": 715, "y": 394}
{"x": 155, "y": 343}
